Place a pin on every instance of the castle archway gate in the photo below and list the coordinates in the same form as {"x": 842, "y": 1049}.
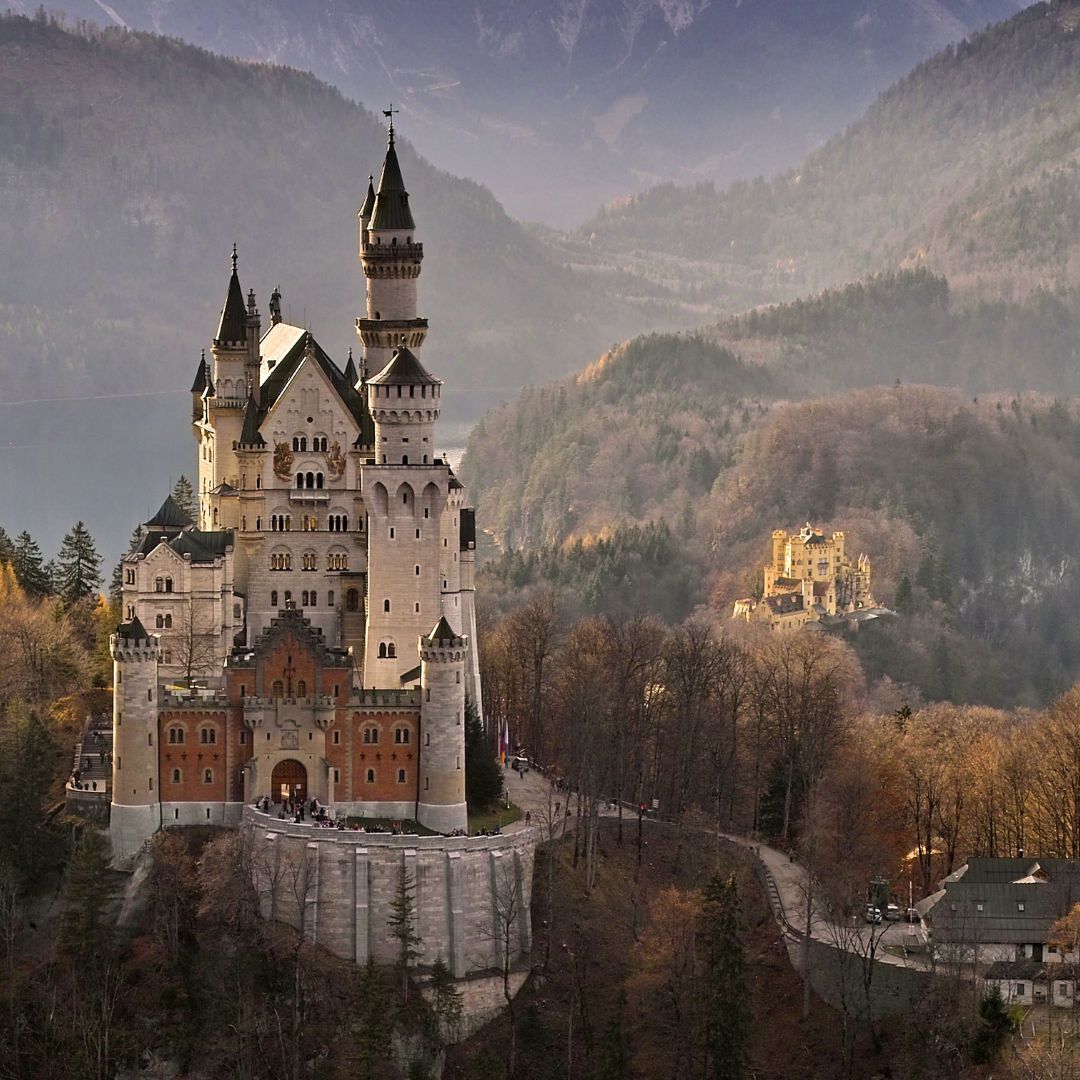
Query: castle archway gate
{"x": 288, "y": 781}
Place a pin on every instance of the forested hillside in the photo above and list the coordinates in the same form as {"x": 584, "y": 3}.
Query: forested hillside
{"x": 966, "y": 165}
{"x": 968, "y": 494}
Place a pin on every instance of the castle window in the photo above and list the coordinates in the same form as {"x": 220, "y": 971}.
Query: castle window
{"x": 417, "y": 608}
{"x": 337, "y": 738}
{"x": 278, "y": 691}
{"x": 417, "y": 570}
{"x": 391, "y": 651}
{"x": 427, "y": 512}
{"x": 308, "y": 560}
{"x": 208, "y": 735}
{"x": 150, "y": 784}
{"x": 425, "y": 783}
{"x": 417, "y": 534}
{"x": 243, "y": 738}
{"x": 427, "y": 738}
{"x": 401, "y": 736}
{"x": 159, "y": 622}
{"x": 131, "y": 612}
{"x": 405, "y": 494}
{"x": 159, "y": 584}
{"x": 459, "y": 763}
{"x": 382, "y": 650}
{"x": 129, "y": 576}
{"x": 208, "y": 778}
{"x": 371, "y": 735}
{"x": 299, "y": 479}
{"x": 458, "y": 674}
{"x": 273, "y": 598}
{"x": 318, "y": 480}
{"x": 337, "y": 776}
{"x": 301, "y": 689}
{"x": 168, "y": 622}
{"x": 401, "y": 776}
{"x": 391, "y": 532}
{"x": 176, "y": 776}
{"x": 314, "y": 599}
{"x": 330, "y": 598}
{"x": 149, "y": 738}
{"x": 176, "y": 735}
{"x": 371, "y": 776}
{"x": 386, "y": 605}
{"x": 258, "y": 482}
{"x": 304, "y": 598}
{"x": 405, "y": 461}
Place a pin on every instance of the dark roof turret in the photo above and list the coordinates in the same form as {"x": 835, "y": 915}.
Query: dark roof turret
{"x": 404, "y": 369}
{"x": 170, "y": 515}
{"x": 232, "y": 326}
{"x": 250, "y": 436}
{"x": 391, "y": 210}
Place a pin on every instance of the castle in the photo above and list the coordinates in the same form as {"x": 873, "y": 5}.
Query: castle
{"x": 313, "y": 633}
{"x": 810, "y": 579}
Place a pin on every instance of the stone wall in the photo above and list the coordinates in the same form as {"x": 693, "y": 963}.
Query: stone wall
{"x": 472, "y": 894}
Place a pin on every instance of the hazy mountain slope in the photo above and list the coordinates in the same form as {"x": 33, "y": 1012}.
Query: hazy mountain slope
{"x": 968, "y": 165}
{"x": 644, "y": 432}
{"x": 562, "y": 104}
{"x": 128, "y": 166}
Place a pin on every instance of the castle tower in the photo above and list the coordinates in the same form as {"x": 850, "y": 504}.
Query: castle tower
{"x": 441, "y": 801}
{"x": 391, "y": 261}
{"x": 405, "y": 496}
{"x": 136, "y": 809}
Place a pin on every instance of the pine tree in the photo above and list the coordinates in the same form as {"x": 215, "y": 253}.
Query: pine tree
{"x": 483, "y": 776}
{"x": 78, "y": 566}
{"x": 28, "y": 761}
{"x": 905, "y": 597}
{"x": 85, "y": 930}
{"x": 402, "y": 924}
{"x": 30, "y": 566}
{"x": 726, "y": 1005}
{"x": 7, "y": 547}
{"x": 184, "y": 495}
{"x": 995, "y": 1025}
{"x": 445, "y": 1000}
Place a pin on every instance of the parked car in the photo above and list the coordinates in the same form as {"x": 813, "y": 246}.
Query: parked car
{"x": 873, "y": 914}
{"x": 912, "y": 915}
{"x": 892, "y": 913}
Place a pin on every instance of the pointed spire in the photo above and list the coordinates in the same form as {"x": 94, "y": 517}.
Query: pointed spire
{"x": 250, "y": 436}
{"x": 199, "y": 385}
{"x": 369, "y": 200}
{"x": 443, "y": 631}
{"x": 391, "y": 210}
{"x": 232, "y": 326}
{"x": 351, "y": 376}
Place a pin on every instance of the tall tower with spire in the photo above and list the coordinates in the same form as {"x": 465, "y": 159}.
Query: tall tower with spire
{"x": 391, "y": 260}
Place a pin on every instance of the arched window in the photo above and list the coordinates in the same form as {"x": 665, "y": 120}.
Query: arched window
{"x": 371, "y": 776}
{"x": 405, "y": 461}
{"x": 401, "y": 776}
{"x": 159, "y": 584}
{"x": 309, "y": 480}
{"x": 159, "y": 622}
{"x": 208, "y": 736}
{"x": 382, "y": 650}
{"x": 330, "y": 598}
{"x": 208, "y": 776}
{"x": 278, "y": 689}
{"x": 318, "y": 480}
{"x": 299, "y": 479}
{"x": 168, "y": 584}
{"x": 304, "y": 598}
{"x": 391, "y": 651}
{"x": 401, "y": 735}
{"x": 314, "y": 598}
{"x": 131, "y": 612}
{"x": 301, "y": 689}
{"x": 168, "y": 622}
{"x": 386, "y": 605}
{"x": 176, "y": 776}
{"x": 273, "y": 598}
{"x": 176, "y": 735}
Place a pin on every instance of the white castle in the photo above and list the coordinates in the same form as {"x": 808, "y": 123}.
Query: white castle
{"x": 313, "y": 634}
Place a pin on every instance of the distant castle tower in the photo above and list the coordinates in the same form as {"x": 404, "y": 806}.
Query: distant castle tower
{"x": 391, "y": 262}
{"x": 441, "y": 805}
{"x": 135, "y": 813}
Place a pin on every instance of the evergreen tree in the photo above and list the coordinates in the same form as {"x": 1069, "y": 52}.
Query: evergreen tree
{"x": 726, "y": 1004}
{"x": 372, "y": 1024}
{"x": 905, "y": 597}
{"x": 402, "y": 924}
{"x": 483, "y": 774}
{"x": 30, "y": 566}
{"x": 85, "y": 931}
{"x": 995, "y": 1025}
{"x": 184, "y": 495}
{"x": 614, "y": 1061}
{"x": 28, "y": 761}
{"x": 7, "y": 547}
{"x": 445, "y": 1001}
{"x": 78, "y": 566}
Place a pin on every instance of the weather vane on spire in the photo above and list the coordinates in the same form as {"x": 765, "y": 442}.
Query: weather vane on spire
{"x": 389, "y": 114}
{"x": 234, "y": 258}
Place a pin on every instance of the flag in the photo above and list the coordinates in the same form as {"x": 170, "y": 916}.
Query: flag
{"x": 504, "y": 744}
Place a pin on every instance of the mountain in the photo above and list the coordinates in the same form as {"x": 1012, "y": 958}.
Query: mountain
{"x": 967, "y": 166}
{"x": 129, "y": 164}
{"x": 559, "y": 105}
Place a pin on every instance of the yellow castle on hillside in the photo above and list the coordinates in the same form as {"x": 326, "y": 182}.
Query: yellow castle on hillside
{"x": 810, "y": 579}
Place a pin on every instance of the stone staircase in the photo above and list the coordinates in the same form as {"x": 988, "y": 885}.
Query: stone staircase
{"x": 93, "y": 756}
